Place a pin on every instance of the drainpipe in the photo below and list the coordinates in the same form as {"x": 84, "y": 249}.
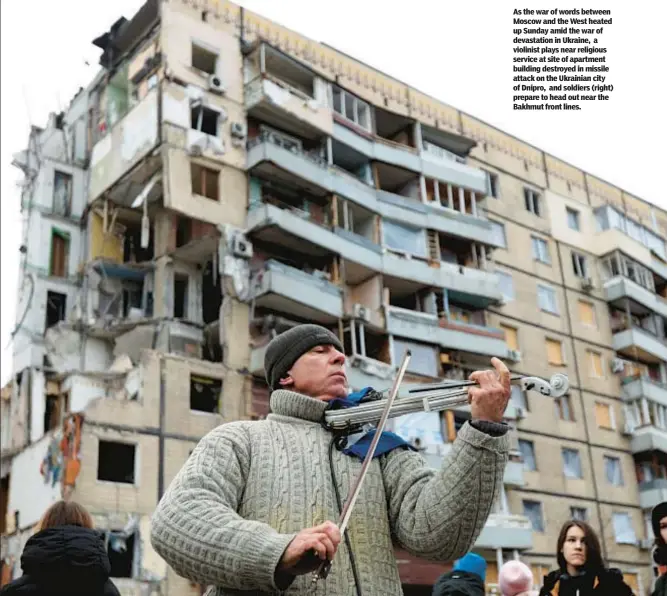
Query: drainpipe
{"x": 161, "y": 450}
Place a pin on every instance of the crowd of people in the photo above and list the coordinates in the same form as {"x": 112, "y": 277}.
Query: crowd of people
{"x": 252, "y": 509}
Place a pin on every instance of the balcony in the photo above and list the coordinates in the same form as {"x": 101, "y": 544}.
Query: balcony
{"x": 292, "y": 291}
{"x": 507, "y": 532}
{"x": 281, "y": 226}
{"x": 125, "y": 146}
{"x": 310, "y": 171}
{"x": 274, "y": 101}
{"x": 454, "y": 335}
{"x": 619, "y": 288}
{"x": 645, "y": 387}
{"x": 652, "y": 493}
{"x": 374, "y": 148}
{"x": 648, "y": 438}
{"x": 635, "y": 342}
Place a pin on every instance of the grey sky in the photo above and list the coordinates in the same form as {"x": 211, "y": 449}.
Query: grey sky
{"x": 458, "y": 52}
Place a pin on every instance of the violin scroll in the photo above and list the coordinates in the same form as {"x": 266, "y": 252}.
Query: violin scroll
{"x": 557, "y": 386}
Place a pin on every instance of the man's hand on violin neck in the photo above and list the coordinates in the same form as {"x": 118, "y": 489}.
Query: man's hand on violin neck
{"x": 489, "y": 398}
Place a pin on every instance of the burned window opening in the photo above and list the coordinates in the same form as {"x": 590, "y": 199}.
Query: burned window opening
{"x": 59, "y": 253}
{"x": 62, "y": 193}
{"x": 132, "y": 249}
{"x": 204, "y": 119}
{"x": 366, "y": 343}
{"x": 116, "y": 461}
{"x": 183, "y": 231}
{"x": 211, "y": 294}
{"x": 180, "y": 296}
{"x": 205, "y": 394}
{"x": 211, "y": 348}
{"x": 56, "y": 406}
{"x": 4, "y": 502}
{"x": 205, "y": 181}
{"x": 204, "y": 60}
{"x": 121, "y": 553}
{"x": 56, "y": 305}
{"x": 132, "y": 299}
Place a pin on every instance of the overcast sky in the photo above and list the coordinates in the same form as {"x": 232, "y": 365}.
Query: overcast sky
{"x": 459, "y": 52}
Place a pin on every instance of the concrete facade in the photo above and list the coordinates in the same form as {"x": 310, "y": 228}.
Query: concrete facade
{"x": 227, "y": 178}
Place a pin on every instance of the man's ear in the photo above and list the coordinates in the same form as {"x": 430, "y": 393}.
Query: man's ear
{"x": 286, "y": 381}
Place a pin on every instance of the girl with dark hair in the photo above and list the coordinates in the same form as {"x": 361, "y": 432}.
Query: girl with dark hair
{"x": 65, "y": 556}
{"x": 581, "y": 571}
{"x": 659, "y": 523}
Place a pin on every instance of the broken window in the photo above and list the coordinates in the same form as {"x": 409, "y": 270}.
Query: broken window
{"x": 204, "y": 119}
{"x": 180, "y": 296}
{"x": 118, "y": 95}
{"x": 352, "y": 108}
{"x": 425, "y": 358}
{"x": 62, "y": 193}
{"x": 115, "y": 461}
{"x": 132, "y": 299}
{"x": 205, "y": 394}
{"x": 121, "y": 553}
{"x": 211, "y": 293}
{"x": 133, "y": 252}
{"x": 56, "y": 304}
{"x": 402, "y": 238}
{"x": 4, "y": 501}
{"x": 204, "y": 181}
{"x": 203, "y": 59}
{"x": 59, "y": 253}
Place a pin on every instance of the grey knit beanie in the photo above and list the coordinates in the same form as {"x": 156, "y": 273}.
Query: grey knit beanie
{"x": 285, "y": 349}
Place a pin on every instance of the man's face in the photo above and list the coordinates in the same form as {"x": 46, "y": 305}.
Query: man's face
{"x": 663, "y": 529}
{"x": 319, "y": 373}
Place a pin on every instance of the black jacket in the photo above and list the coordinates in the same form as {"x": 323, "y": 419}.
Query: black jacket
{"x": 660, "y": 588}
{"x": 459, "y": 583}
{"x": 604, "y": 583}
{"x": 64, "y": 560}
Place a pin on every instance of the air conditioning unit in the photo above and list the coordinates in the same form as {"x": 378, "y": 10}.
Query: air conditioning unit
{"x": 514, "y": 355}
{"x": 587, "y": 283}
{"x": 239, "y": 130}
{"x": 241, "y": 246}
{"x": 627, "y": 429}
{"x": 646, "y": 543}
{"x": 362, "y": 312}
{"x": 195, "y": 150}
{"x": 617, "y": 365}
{"x": 215, "y": 84}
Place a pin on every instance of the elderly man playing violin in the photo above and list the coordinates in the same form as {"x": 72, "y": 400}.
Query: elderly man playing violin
{"x": 256, "y": 500}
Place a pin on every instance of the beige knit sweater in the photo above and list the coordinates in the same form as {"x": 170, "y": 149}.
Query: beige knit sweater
{"x": 249, "y": 487}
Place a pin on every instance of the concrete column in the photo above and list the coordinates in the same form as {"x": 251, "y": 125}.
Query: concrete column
{"x": 436, "y": 191}
{"x": 422, "y": 188}
{"x": 499, "y": 558}
{"x": 418, "y": 136}
{"x": 473, "y": 200}
{"x": 329, "y": 151}
{"x": 450, "y": 196}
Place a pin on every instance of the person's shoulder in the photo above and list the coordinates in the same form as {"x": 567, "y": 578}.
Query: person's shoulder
{"x": 110, "y": 589}
{"x": 613, "y": 578}
{"x": 23, "y": 586}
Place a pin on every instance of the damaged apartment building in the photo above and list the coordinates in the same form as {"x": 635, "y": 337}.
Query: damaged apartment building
{"x": 222, "y": 179}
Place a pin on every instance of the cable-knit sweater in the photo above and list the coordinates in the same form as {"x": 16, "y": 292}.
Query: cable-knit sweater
{"x": 250, "y": 486}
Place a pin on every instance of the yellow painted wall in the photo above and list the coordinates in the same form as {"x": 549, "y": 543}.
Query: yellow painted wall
{"x": 109, "y": 246}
